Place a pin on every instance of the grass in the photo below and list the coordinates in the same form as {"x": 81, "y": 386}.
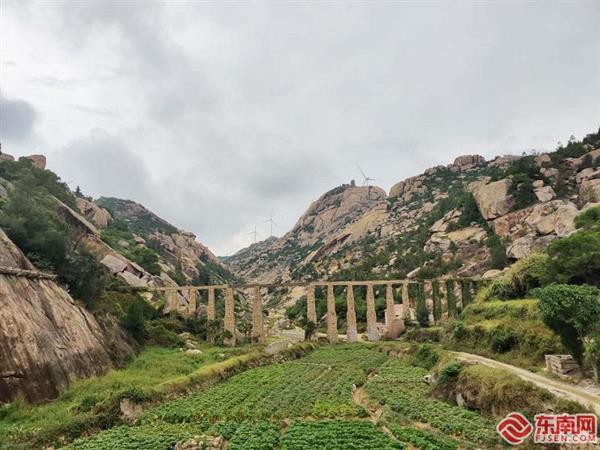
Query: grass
{"x": 400, "y": 387}
{"x": 509, "y": 331}
{"x": 302, "y": 402}
{"x": 94, "y": 403}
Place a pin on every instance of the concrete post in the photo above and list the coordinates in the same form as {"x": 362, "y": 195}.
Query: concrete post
{"x": 211, "y": 315}
{"x": 351, "y": 333}
{"x": 331, "y": 316}
{"x": 258, "y": 332}
{"x": 428, "y": 292}
{"x": 389, "y": 305}
{"x": 405, "y": 301}
{"x": 229, "y": 321}
{"x": 171, "y": 301}
{"x": 372, "y": 333}
{"x": 192, "y": 302}
{"x": 311, "y": 310}
{"x": 211, "y": 310}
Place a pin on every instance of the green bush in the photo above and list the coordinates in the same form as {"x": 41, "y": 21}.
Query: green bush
{"x": 426, "y": 356}
{"x": 589, "y": 219}
{"x": 575, "y": 259}
{"x": 498, "y": 251}
{"x": 503, "y": 340}
{"x": 571, "y": 312}
{"x": 449, "y": 372}
{"x": 158, "y": 334}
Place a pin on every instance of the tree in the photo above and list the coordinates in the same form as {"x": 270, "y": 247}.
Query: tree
{"x": 576, "y": 258}
{"x": 589, "y": 219}
{"x": 133, "y": 320}
{"x": 309, "y": 330}
{"x": 570, "y": 311}
{"x": 592, "y": 354}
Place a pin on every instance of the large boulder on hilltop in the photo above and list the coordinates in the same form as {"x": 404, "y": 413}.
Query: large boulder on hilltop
{"x": 407, "y": 189}
{"x": 6, "y": 157}
{"x": 398, "y": 189}
{"x": 38, "y": 161}
{"x": 99, "y": 216}
{"x": 500, "y": 161}
{"x": 466, "y": 162}
{"x": 493, "y": 199}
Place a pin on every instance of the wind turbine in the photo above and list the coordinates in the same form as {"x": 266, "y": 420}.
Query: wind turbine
{"x": 366, "y": 179}
{"x": 254, "y": 233}
{"x": 272, "y": 222}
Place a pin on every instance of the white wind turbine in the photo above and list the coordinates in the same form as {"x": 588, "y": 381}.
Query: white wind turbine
{"x": 366, "y": 179}
{"x": 254, "y": 233}
{"x": 271, "y": 222}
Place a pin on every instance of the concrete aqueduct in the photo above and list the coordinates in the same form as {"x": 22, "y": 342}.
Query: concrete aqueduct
{"x": 461, "y": 290}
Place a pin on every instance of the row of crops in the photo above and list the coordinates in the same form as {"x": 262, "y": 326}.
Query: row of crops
{"x": 401, "y": 388}
{"x": 319, "y": 385}
{"x": 307, "y": 404}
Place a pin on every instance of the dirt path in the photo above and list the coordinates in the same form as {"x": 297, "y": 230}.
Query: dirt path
{"x": 558, "y": 388}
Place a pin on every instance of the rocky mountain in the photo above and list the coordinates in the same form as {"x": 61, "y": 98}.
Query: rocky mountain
{"x": 180, "y": 254}
{"x": 465, "y": 218}
{"x": 47, "y": 340}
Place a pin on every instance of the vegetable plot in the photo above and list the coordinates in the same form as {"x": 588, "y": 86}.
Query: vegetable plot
{"x": 336, "y": 435}
{"x": 319, "y": 385}
{"x": 401, "y": 387}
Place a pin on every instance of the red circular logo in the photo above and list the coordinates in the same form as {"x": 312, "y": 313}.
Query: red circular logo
{"x": 515, "y": 428}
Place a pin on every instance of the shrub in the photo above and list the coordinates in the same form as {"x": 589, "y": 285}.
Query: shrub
{"x": 575, "y": 259}
{"x": 503, "y": 340}
{"x": 571, "y": 312}
{"x": 498, "y": 252}
{"x": 449, "y": 372}
{"x": 133, "y": 320}
{"x": 589, "y": 219}
{"x": 158, "y": 334}
{"x": 426, "y": 356}
{"x": 147, "y": 258}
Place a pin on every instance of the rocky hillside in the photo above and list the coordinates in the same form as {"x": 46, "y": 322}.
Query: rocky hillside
{"x": 465, "y": 218}
{"x": 180, "y": 254}
{"x": 47, "y": 340}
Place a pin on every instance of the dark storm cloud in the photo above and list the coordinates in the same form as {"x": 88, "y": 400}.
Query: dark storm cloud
{"x": 222, "y": 111}
{"x": 17, "y": 118}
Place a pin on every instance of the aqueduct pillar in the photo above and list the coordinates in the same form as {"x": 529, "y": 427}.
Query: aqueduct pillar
{"x": 351, "y": 333}
{"x": 372, "y": 333}
{"x": 332, "y": 332}
{"x": 258, "y": 331}
{"x": 229, "y": 320}
{"x": 389, "y": 305}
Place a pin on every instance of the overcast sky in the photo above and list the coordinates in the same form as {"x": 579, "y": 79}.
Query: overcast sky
{"x": 213, "y": 114}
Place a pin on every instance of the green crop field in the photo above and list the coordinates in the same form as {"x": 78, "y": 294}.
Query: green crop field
{"x": 319, "y": 385}
{"x": 401, "y": 388}
{"x": 303, "y": 404}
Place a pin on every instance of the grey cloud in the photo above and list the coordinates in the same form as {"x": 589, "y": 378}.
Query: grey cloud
{"x": 102, "y": 164}
{"x": 17, "y": 118}
{"x": 226, "y": 110}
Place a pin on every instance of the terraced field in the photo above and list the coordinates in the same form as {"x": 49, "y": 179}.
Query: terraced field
{"x": 308, "y": 404}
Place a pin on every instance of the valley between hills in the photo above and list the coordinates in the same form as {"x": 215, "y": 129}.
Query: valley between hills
{"x": 111, "y": 337}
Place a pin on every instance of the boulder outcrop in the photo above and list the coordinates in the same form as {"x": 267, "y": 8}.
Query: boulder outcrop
{"x": 99, "y": 216}
{"x": 46, "y": 339}
{"x": 466, "y": 162}
{"x": 493, "y": 199}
